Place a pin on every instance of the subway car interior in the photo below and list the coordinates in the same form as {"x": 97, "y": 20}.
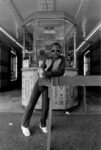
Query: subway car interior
{"x": 28, "y": 26}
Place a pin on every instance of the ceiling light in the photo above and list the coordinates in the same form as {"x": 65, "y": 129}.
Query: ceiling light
{"x": 90, "y": 35}
{"x": 10, "y": 37}
{"x": 49, "y": 30}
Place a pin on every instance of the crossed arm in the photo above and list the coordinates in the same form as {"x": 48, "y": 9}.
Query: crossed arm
{"x": 59, "y": 72}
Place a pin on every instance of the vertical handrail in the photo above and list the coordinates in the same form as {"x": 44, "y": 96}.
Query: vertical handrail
{"x": 24, "y": 47}
{"x": 50, "y": 91}
{"x": 84, "y": 99}
{"x": 75, "y": 57}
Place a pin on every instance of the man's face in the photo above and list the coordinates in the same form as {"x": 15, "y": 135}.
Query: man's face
{"x": 55, "y": 52}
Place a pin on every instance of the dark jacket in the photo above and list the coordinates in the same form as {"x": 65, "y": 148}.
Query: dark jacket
{"x": 57, "y": 68}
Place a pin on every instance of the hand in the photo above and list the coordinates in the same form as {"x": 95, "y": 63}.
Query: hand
{"x": 40, "y": 72}
{"x": 40, "y": 63}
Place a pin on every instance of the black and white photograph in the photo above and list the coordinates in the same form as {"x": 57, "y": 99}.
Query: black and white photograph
{"x": 50, "y": 74}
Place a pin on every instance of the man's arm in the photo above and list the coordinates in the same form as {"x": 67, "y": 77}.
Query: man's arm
{"x": 58, "y": 72}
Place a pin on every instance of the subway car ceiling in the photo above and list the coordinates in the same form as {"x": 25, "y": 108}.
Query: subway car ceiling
{"x": 87, "y": 14}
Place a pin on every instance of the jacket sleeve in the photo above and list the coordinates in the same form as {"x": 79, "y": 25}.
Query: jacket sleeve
{"x": 59, "y": 72}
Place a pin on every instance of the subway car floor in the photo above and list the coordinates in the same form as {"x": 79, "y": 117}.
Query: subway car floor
{"x": 79, "y": 132}
{"x": 10, "y": 101}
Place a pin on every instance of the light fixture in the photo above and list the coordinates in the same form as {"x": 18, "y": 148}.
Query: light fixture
{"x": 89, "y": 36}
{"x": 10, "y": 37}
{"x": 49, "y": 30}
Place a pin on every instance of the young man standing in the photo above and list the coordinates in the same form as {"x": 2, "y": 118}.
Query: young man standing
{"x": 54, "y": 66}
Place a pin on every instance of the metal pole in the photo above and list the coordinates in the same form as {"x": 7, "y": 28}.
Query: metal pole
{"x": 84, "y": 99}
{"x": 34, "y": 42}
{"x": 50, "y": 91}
{"x": 23, "y": 42}
{"x": 75, "y": 61}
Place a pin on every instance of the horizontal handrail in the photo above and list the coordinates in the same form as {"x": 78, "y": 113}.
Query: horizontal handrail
{"x": 72, "y": 80}
{"x": 65, "y": 81}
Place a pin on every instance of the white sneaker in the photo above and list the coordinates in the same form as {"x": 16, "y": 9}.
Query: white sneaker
{"x": 67, "y": 113}
{"x": 44, "y": 129}
{"x": 25, "y": 131}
